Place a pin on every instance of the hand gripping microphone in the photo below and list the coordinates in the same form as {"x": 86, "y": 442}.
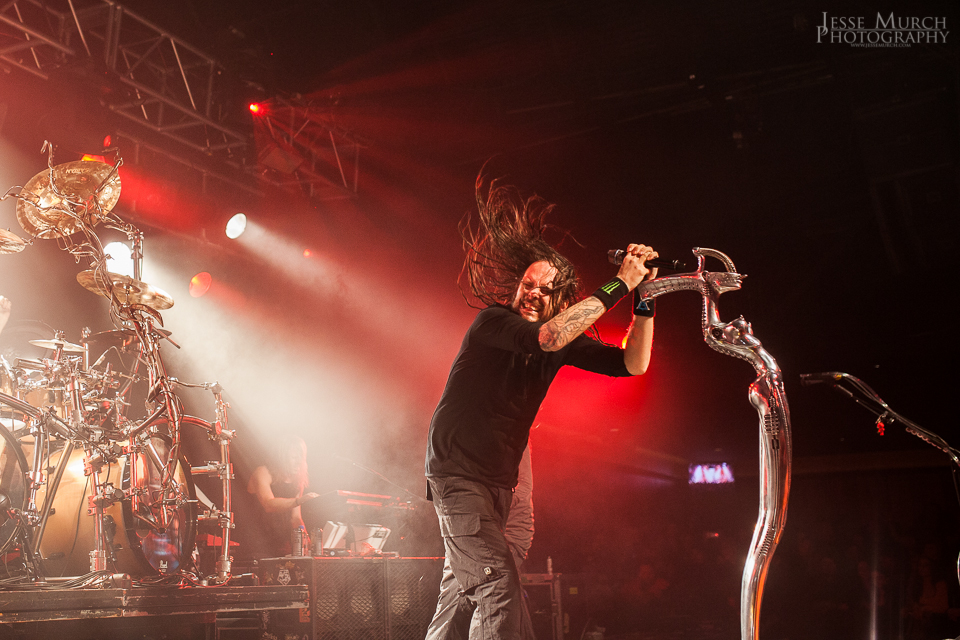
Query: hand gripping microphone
{"x": 616, "y": 257}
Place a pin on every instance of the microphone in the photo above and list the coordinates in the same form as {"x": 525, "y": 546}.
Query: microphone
{"x": 829, "y": 377}
{"x": 616, "y": 256}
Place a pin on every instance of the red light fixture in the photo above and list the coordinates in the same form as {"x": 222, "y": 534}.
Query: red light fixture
{"x": 256, "y": 108}
{"x": 200, "y": 284}
{"x": 307, "y": 253}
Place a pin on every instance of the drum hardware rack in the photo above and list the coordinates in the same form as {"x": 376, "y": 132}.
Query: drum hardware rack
{"x": 65, "y": 202}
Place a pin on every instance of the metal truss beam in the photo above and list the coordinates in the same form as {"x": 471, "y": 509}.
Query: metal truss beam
{"x": 309, "y": 147}
{"x": 171, "y": 88}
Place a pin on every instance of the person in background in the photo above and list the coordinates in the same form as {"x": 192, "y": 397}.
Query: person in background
{"x": 5, "y": 307}
{"x": 6, "y": 374}
{"x": 279, "y": 487}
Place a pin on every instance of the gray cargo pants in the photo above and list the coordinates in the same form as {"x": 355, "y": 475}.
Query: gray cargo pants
{"x": 480, "y": 574}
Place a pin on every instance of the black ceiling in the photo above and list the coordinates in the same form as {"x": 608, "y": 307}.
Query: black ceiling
{"x": 827, "y": 172}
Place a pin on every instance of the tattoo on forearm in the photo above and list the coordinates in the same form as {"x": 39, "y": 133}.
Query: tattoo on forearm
{"x": 558, "y": 333}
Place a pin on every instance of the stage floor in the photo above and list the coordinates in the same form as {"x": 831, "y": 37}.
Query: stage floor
{"x": 138, "y": 612}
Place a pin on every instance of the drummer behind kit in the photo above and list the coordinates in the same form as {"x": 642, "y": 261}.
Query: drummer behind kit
{"x": 85, "y": 488}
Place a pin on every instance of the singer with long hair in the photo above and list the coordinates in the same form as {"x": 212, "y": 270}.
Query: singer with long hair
{"x": 532, "y": 322}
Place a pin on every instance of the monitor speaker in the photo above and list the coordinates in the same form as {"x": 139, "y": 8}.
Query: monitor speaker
{"x": 355, "y": 598}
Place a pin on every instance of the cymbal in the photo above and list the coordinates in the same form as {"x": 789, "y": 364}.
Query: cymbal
{"x": 68, "y": 347}
{"x": 10, "y": 242}
{"x": 119, "y": 337}
{"x": 44, "y": 212}
{"x": 116, "y": 338}
{"x": 127, "y": 290}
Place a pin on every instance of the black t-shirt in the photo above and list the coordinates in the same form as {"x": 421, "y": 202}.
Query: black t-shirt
{"x": 495, "y": 388}
{"x": 271, "y": 536}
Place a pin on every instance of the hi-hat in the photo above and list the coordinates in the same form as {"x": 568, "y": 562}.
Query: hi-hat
{"x": 77, "y": 196}
{"x": 127, "y": 290}
{"x": 10, "y": 242}
{"x": 68, "y": 347}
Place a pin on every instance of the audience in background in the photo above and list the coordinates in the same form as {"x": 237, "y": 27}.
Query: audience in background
{"x": 878, "y": 575}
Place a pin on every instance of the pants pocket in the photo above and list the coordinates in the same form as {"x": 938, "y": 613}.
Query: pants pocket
{"x": 459, "y": 524}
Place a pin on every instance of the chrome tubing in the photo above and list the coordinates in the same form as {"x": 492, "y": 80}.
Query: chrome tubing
{"x": 767, "y": 396}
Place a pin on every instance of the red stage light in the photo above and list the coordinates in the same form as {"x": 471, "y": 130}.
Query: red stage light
{"x": 256, "y": 108}
{"x": 92, "y": 158}
{"x": 307, "y": 253}
{"x": 107, "y": 141}
{"x": 200, "y": 284}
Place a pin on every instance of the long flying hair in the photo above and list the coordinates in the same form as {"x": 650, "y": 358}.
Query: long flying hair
{"x": 507, "y": 237}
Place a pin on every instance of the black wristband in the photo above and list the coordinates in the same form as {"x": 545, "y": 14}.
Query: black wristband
{"x": 611, "y": 293}
{"x": 643, "y": 308}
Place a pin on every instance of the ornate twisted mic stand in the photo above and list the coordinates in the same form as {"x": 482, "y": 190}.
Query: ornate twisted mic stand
{"x": 767, "y": 396}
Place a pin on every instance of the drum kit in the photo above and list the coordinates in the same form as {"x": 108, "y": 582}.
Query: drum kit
{"x": 88, "y": 488}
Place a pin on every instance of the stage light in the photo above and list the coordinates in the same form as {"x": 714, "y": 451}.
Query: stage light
{"x": 307, "y": 253}
{"x": 200, "y": 284}
{"x": 256, "y": 108}
{"x": 120, "y": 258}
{"x": 236, "y": 225}
{"x": 87, "y": 157}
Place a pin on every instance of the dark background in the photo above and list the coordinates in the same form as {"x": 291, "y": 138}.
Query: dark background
{"x": 828, "y": 174}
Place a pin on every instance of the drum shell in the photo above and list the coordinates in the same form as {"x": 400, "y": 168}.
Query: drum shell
{"x": 57, "y": 399}
{"x": 13, "y": 468}
{"x": 8, "y": 384}
{"x": 25, "y": 389}
{"x": 69, "y": 536}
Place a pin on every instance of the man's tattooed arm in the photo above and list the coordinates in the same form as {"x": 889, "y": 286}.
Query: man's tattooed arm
{"x": 562, "y": 329}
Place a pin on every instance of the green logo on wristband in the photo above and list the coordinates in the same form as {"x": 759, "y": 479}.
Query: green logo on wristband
{"x": 610, "y": 287}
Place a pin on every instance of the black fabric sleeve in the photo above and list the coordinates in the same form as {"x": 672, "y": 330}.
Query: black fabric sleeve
{"x": 501, "y": 328}
{"x": 588, "y": 354}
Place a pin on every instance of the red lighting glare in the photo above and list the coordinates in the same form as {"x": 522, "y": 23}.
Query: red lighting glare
{"x": 92, "y": 158}
{"x": 256, "y": 108}
{"x": 107, "y": 141}
{"x": 307, "y": 253}
{"x": 200, "y": 284}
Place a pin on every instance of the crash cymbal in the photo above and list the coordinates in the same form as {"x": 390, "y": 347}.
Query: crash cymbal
{"x": 68, "y": 347}
{"x": 10, "y": 242}
{"x": 45, "y": 212}
{"x": 127, "y": 290}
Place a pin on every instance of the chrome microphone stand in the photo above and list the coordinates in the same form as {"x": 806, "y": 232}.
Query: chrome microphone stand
{"x": 886, "y": 416}
{"x": 767, "y": 396}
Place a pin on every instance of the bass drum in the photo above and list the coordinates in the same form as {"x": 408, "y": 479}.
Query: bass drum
{"x": 13, "y": 487}
{"x": 137, "y": 545}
